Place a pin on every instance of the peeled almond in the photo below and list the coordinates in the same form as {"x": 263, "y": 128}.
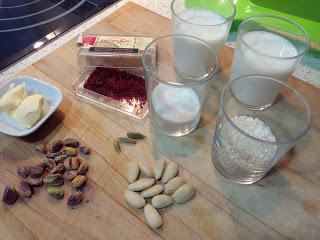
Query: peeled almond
{"x": 173, "y": 185}
{"x": 158, "y": 169}
{"x": 132, "y": 172}
{"x": 152, "y": 216}
{"x": 153, "y": 191}
{"x": 161, "y": 201}
{"x": 141, "y": 184}
{"x": 134, "y": 199}
{"x": 184, "y": 193}
{"x": 146, "y": 171}
{"x": 170, "y": 172}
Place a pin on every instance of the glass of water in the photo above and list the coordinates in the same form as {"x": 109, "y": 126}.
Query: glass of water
{"x": 209, "y": 20}
{"x": 178, "y": 70}
{"x": 248, "y": 143}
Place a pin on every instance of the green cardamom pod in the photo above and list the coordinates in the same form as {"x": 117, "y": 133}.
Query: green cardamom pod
{"x": 135, "y": 135}
{"x": 78, "y": 181}
{"x": 53, "y": 180}
{"x": 116, "y": 146}
{"x": 126, "y": 140}
{"x": 55, "y": 192}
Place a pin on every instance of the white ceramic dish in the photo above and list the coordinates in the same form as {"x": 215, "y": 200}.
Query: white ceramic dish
{"x": 51, "y": 94}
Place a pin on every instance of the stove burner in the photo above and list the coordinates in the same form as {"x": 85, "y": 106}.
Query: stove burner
{"x": 22, "y": 5}
{"x": 28, "y": 24}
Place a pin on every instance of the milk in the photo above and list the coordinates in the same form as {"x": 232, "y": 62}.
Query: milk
{"x": 203, "y": 24}
{"x": 174, "y": 110}
{"x": 199, "y": 23}
{"x": 248, "y": 62}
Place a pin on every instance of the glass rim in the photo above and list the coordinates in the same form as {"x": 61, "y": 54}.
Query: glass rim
{"x": 206, "y": 78}
{"x": 285, "y": 84}
{"x": 305, "y": 35}
{"x": 228, "y": 19}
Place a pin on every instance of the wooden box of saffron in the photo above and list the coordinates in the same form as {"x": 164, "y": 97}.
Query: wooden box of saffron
{"x": 111, "y": 73}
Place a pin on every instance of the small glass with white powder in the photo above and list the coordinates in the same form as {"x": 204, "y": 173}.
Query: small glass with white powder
{"x": 248, "y": 143}
{"x": 178, "y": 81}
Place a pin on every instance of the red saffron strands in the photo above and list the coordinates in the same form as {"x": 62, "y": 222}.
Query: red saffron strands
{"x": 119, "y": 85}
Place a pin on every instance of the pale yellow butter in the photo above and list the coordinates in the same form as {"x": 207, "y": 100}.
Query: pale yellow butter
{"x": 13, "y": 97}
{"x": 29, "y": 111}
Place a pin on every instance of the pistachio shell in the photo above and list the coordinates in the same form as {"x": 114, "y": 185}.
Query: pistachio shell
{"x": 158, "y": 168}
{"x": 141, "y": 184}
{"x": 24, "y": 189}
{"x": 55, "y": 146}
{"x": 134, "y": 199}
{"x": 184, "y": 193}
{"x": 152, "y": 216}
{"x": 10, "y": 195}
{"x": 132, "y": 172}
{"x": 71, "y": 142}
{"x": 83, "y": 168}
{"x": 170, "y": 171}
{"x": 173, "y": 185}
{"x": 76, "y": 198}
{"x": 152, "y": 191}
{"x": 161, "y": 201}
{"x": 146, "y": 171}
{"x": 69, "y": 151}
{"x": 55, "y": 192}
{"x": 78, "y": 181}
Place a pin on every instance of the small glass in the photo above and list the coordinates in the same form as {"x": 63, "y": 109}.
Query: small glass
{"x": 267, "y": 45}
{"x": 209, "y": 20}
{"x": 248, "y": 143}
{"x": 177, "y": 81}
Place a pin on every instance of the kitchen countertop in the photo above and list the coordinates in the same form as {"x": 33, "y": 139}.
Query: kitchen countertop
{"x": 162, "y": 7}
{"x": 283, "y": 205}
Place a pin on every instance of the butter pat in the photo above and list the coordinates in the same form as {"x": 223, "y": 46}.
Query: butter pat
{"x": 29, "y": 111}
{"x": 13, "y": 97}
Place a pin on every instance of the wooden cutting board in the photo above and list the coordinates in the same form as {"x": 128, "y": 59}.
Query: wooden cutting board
{"x": 283, "y": 205}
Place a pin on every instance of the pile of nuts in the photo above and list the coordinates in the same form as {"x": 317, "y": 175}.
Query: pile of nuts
{"x": 60, "y": 164}
{"x": 169, "y": 188}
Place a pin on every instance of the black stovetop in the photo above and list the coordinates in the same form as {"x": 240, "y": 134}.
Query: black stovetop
{"x": 26, "y": 25}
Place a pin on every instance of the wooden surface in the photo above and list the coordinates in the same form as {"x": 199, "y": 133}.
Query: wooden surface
{"x": 283, "y": 205}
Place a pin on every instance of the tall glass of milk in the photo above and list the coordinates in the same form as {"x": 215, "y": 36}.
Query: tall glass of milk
{"x": 178, "y": 81}
{"x": 209, "y": 20}
{"x": 266, "y": 45}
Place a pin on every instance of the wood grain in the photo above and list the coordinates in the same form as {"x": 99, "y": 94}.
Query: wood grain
{"x": 283, "y": 205}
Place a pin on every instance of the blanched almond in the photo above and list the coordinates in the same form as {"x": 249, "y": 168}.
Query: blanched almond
{"x": 134, "y": 199}
{"x": 161, "y": 201}
{"x": 152, "y": 216}
{"x": 141, "y": 184}
{"x": 132, "y": 172}
{"x": 158, "y": 169}
{"x": 184, "y": 193}
{"x": 146, "y": 171}
{"x": 173, "y": 185}
{"x": 170, "y": 171}
{"x": 153, "y": 191}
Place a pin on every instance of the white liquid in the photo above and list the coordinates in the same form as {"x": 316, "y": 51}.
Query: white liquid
{"x": 201, "y": 24}
{"x": 175, "y": 110}
{"x": 248, "y": 62}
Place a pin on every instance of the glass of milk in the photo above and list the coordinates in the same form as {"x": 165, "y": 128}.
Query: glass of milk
{"x": 209, "y": 20}
{"x": 179, "y": 70}
{"x": 266, "y": 45}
